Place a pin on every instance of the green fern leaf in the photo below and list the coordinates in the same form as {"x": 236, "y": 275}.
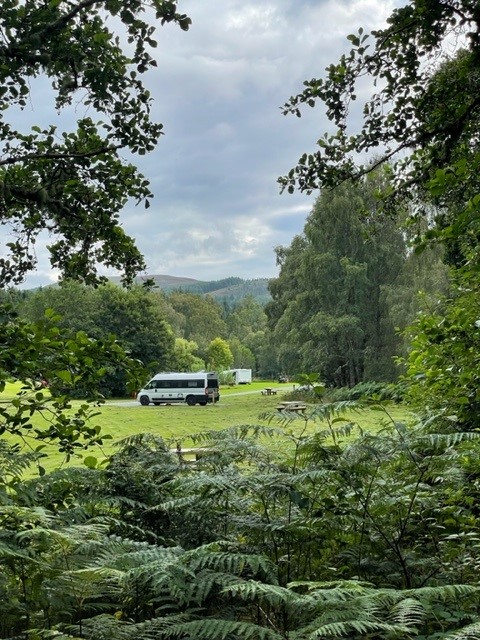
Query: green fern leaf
{"x": 470, "y": 632}
{"x": 218, "y": 629}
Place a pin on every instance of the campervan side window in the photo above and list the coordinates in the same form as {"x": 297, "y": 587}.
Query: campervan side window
{"x": 175, "y": 384}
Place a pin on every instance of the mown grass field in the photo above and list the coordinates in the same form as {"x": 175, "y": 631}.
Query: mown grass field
{"x": 241, "y": 405}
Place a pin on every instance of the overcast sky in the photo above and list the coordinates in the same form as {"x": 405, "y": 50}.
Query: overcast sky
{"x": 218, "y": 90}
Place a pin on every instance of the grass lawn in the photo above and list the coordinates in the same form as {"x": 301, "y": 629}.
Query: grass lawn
{"x": 240, "y": 405}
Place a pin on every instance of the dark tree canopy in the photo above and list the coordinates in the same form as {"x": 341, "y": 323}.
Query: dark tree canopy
{"x": 73, "y": 184}
{"x": 328, "y": 313}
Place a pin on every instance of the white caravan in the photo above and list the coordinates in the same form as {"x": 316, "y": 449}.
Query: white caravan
{"x": 164, "y": 388}
{"x": 240, "y": 376}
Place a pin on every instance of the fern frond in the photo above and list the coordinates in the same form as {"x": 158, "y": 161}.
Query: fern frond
{"x": 228, "y": 562}
{"x": 470, "y": 632}
{"x": 332, "y": 410}
{"x": 57, "y": 635}
{"x": 364, "y": 627}
{"x": 37, "y": 516}
{"x": 218, "y": 629}
{"x": 311, "y": 475}
{"x": 146, "y": 440}
{"x": 123, "y": 501}
{"x": 172, "y": 584}
{"x": 441, "y": 441}
{"x": 254, "y": 591}
{"x": 176, "y": 504}
{"x": 127, "y": 555}
{"x": 7, "y": 551}
{"x": 159, "y": 626}
{"x": 351, "y": 586}
{"x": 198, "y": 590}
{"x": 444, "y": 592}
{"x": 91, "y": 531}
{"x": 205, "y": 482}
{"x": 238, "y": 432}
{"x": 408, "y": 611}
{"x": 342, "y": 431}
{"x": 100, "y": 627}
{"x": 13, "y": 462}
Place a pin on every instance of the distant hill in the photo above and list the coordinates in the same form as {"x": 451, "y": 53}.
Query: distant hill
{"x": 232, "y": 290}
{"x": 257, "y": 288}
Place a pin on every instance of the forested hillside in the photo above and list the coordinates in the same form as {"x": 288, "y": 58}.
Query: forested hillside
{"x": 231, "y": 290}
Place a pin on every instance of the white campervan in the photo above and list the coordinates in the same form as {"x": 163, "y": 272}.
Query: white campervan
{"x": 200, "y": 387}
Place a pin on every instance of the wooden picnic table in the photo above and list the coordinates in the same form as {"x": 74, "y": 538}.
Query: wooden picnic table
{"x": 269, "y": 391}
{"x": 292, "y": 407}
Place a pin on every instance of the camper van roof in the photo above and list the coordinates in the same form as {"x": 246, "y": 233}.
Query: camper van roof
{"x": 185, "y": 373}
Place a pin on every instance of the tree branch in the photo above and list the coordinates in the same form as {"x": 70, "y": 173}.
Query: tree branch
{"x": 58, "y": 156}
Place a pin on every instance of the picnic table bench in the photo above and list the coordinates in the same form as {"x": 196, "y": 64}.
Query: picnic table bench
{"x": 292, "y": 407}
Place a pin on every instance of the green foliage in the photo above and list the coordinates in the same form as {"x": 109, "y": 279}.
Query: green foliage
{"x": 444, "y": 362}
{"x": 211, "y": 286}
{"x": 249, "y": 541}
{"x": 307, "y": 526}
{"x": 371, "y": 391}
{"x": 75, "y": 183}
{"x": 246, "y": 317}
{"x": 219, "y": 355}
{"x": 247, "y": 324}
{"x": 201, "y": 319}
{"x": 328, "y": 312}
{"x": 426, "y": 103}
{"x": 226, "y": 378}
{"x": 424, "y": 111}
{"x": 146, "y": 322}
{"x": 416, "y": 105}
{"x": 52, "y": 366}
{"x": 131, "y": 315}
{"x": 243, "y": 358}
{"x": 184, "y": 356}
{"x": 423, "y": 279}
{"x": 72, "y": 185}
{"x": 228, "y": 292}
